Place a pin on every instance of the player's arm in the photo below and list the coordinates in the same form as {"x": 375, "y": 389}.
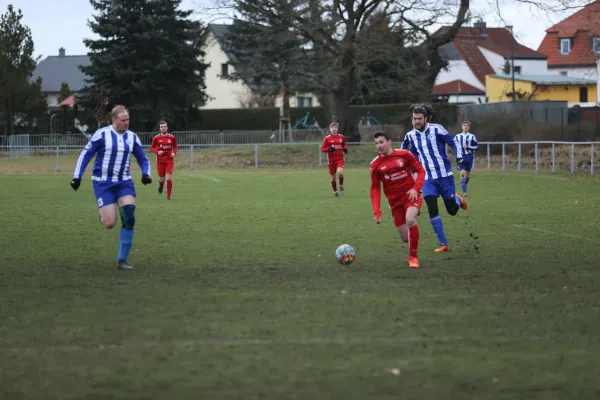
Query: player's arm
{"x": 416, "y": 166}
{"x": 175, "y": 145}
{"x": 376, "y": 193}
{"x": 86, "y": 155}
{"x": 154, "y": 145}
{"x": 140, "y": 156}
{"x": 473, "y": 145}
{"x": 405, "y": 143}
{"x": 344, "y": 147}
{"x": 325, "y": 146}
{"x": 447, "y": 138}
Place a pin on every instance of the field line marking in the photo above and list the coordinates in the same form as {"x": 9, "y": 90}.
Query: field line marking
{"x": 209, "y": 177}
{"x": 307, "y": 341}
{"x": 531, "y": 228}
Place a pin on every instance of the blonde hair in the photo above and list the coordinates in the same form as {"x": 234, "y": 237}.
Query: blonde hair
{"x": 118, "y": 109}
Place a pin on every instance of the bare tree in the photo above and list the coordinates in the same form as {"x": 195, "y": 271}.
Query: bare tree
{"x": 337, "y": 50}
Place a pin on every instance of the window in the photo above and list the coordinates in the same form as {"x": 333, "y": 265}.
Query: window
{"x": 304, "y": 101}
{"x": 565, "y": 46}
{"x": 596, "y": 45}
{"x": 517, "y": 69}
{"x": 564, "y": 73}
{"x": 583, "y": 95}
{"x": 224, "y": 69}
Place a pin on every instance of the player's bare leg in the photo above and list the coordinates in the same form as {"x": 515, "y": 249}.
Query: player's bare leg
{"x": 169, "y": 185}
{"x": 108, "y": 215}
{"x": 127, "y": 211}
{"x": 464, "y": 180}
{"x": 334, "y": 185}
{"x": 161, "y": 184}
{"x": 340, "y": 174}
{"x": 409, "y": 232}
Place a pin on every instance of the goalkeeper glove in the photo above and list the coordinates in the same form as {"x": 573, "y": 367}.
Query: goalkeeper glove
{"x": 332, "y": 148}
{"x": 345, "y": 151}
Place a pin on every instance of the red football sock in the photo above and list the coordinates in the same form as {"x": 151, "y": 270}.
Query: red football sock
{"x": 334, "y": 186}
{"x": 169, "y": 187}
{"x": 341, "y": 180}
{"x": 413, "y": 240}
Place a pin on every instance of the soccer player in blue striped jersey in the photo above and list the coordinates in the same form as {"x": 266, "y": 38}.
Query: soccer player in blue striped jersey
{"x": 468, "y": 143}
{"x": 428, "y": 141}
{"x": 111, "y": 176}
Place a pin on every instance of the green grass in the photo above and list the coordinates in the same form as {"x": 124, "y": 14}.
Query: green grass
{"x": 237, "y": 293}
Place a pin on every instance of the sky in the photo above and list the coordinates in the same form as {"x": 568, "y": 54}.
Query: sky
{"x": 64, "y": 23}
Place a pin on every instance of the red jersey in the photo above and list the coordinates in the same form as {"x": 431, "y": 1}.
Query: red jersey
{"x": 395, "y": 172}
{"x": 165, "y": 143}
{"x": 338, "y": 142}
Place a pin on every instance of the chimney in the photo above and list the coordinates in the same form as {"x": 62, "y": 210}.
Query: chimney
{"x": 61, "y": 52}
{"x": 598, "y": 82}
{"x": 482, "y": 27}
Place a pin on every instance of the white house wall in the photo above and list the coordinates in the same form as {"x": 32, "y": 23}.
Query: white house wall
{"x": 528, "y": 67}
{"x": 586, "y": 73}
{"x": 222, "y": 93}
{"x": 458, "y": 70}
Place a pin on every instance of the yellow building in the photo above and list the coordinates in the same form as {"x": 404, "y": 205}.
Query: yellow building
{"x": 498, "y": 88}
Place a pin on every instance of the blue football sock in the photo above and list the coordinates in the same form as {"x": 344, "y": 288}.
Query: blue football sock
{"x": 463, "y": 185}
{"x": 438, "y": 228}
{"x": 126, "y": 241}
{"x": 457, "y": 199}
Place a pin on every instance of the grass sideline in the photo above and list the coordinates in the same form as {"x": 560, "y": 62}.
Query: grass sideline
{"x": 237, "y": 293}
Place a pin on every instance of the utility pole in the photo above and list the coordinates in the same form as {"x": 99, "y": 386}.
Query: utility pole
{"x": 512, "y": 60}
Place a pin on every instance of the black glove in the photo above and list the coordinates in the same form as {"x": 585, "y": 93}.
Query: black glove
{"x": 146, "y": 180}
{"x": 345, "y": 151}
{"x": 332, "y": 148}
{"x": 75, "y": 182}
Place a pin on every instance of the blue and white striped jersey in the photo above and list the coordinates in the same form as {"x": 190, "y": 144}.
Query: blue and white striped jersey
{"x": 430, "y": 148}
{"x": 467, "y": 142}
{"x": 113, "y": 154}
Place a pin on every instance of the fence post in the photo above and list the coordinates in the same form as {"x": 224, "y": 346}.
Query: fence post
{"x": 57, "y": 159}
{"x": 519, "y": 157}
{"x": 489, "y": 159}
{"x": 572, "y": 158}
{"x": 503, "y": 155}
{"x": 320, "y": 156}
{"x": 192, "y": 157}
{"x": 537, "y": 165}
{"x": 592, "y": 160}
{"x": 255, "y": 156}
{"x": 553, "y": 158}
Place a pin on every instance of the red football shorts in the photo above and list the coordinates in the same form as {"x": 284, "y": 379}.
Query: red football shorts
{"x": 165, "y": 167}
{"x": 334, "y": 165}
{"x": 400, "y": 205}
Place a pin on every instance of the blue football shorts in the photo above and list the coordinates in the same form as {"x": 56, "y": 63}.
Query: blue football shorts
{"x": 108, "y": 193}
{"x": 468, "y": 161}
{"x": 444, "y": 187}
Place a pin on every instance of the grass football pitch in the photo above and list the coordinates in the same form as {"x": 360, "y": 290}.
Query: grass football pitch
{"x": 237, "y": 293}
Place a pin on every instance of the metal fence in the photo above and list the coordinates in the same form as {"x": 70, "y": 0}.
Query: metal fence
{"x": 573, "y": 157}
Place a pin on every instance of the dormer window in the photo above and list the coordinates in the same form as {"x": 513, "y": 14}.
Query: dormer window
{"x": 596, "y": 45}
{"x": 565, "y": 46}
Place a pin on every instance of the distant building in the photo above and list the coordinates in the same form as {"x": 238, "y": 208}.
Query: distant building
{"x": 476, "y": 52}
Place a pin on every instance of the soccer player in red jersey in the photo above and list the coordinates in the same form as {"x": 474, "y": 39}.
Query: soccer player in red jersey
{"x": 164, "y": 145}
{"x": 392, "y": 168}
{"x": 334, "y": 145}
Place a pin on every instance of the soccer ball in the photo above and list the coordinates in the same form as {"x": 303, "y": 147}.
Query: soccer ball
{"x": 345, "y": 254}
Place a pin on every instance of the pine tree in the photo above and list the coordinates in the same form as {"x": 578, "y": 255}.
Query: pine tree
{"x": 148, "y": 58}
{"x": 18, "y": 95}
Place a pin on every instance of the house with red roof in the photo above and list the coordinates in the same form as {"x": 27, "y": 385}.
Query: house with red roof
{"x": 478, "y": 51}
{"x": 573, "y": 45}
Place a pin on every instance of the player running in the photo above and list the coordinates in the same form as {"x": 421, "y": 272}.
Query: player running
{"x": 392, "y": 168}
{"x": 164, "y": 145}
{"x": 468, "y": 143}
{"x": 428, "y": 142}
{"x": 111, "y": 177}
{"x": 334, "y": 145}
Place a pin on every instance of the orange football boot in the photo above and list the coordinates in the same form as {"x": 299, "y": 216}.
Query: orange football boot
{"x": 413, "y": 262}
{"x": 442, "y": 248}
{"x": 463, "y": 203}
